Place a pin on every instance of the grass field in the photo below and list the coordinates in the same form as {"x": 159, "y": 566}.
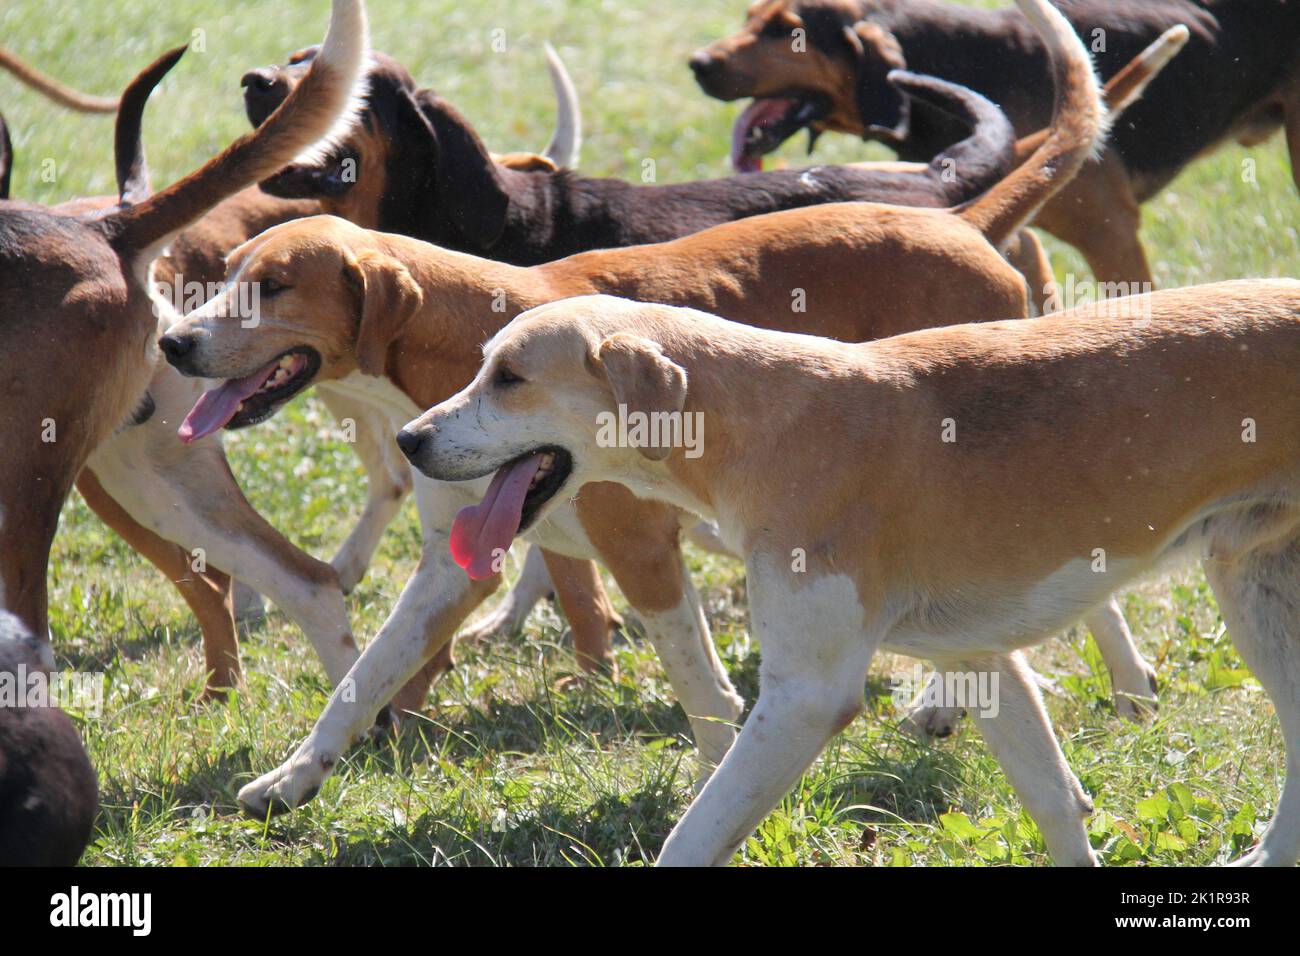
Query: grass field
{"x": 513, "y": 764}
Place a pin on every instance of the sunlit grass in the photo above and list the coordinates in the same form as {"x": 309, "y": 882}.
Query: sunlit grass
{"x": 514, "y": 765}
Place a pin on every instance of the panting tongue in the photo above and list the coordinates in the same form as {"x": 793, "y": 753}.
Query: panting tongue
{"x": 218, "y": 405}
{"x": 481, "y": 533}
{"x": 758, "y": 114}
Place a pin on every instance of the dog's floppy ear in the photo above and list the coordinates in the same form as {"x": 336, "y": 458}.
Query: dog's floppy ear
{"x": 388, "y": 297}
{"x": 882, "y": 107}
{"x": 6, "y": 159}
{"x": 470, "y": 189}
{"x": 643, "y": 379}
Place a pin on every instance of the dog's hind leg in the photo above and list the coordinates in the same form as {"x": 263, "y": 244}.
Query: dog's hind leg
{"x": 207, "y": 592}
{"x": 1133, "y": 680}
{"x": 1018, "y": 732}
{"x": 1259, "y": 597}
{"x": 591, "y": 614}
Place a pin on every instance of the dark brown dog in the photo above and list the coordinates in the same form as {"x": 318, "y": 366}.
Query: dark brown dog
{"x": 48, "y": 790}
{"x": 1238, "y": 79}
{"x": 422, "y": 171}
{"x": 77, "y": 338}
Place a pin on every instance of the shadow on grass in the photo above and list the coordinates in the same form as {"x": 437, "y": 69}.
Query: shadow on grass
{"x": 613, "y": 829}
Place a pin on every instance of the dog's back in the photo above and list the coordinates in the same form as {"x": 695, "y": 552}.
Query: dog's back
{"x": 48, "y": 790}
{"x": 1239, "y": 56}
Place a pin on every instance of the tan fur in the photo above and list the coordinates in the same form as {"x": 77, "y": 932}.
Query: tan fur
{"x": 963, "y": 551}
{"x": 87, "y": 280}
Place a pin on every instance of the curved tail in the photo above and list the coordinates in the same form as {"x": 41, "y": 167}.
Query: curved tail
{"x": 987, "y": 154}
{"x": 320, "y": 110}
{"x": 565, "y": 146}
{"x": 1126, "y": 86}
{"x": 63, "y": 95}
{"x": 128, "y": 148}
{"x": 1078, "y": 129}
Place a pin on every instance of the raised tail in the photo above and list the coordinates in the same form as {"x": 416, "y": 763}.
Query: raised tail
{"x": 988, "y": 153}
{"x": 321, "y": 109}
{"x": 1125, "y": 87}
{"x": 6, "y": 159}
{"x": 1078, "y": 129}
{"x": 63, "y": 95}
{"x": 128, "y": 148}
{"x": 565, "y": 146}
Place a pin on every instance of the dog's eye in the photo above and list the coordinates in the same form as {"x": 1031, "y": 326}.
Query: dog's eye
{"x": 505, "y": 377}
{"x": 272, "y": 288}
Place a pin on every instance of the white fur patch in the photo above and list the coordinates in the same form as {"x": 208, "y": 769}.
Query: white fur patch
{"x": 342, "y": 52}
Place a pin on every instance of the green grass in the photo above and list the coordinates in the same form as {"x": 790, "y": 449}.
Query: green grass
{"x": 514, "y": 765}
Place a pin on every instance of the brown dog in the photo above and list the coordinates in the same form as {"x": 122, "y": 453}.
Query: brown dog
{"x": 826, "y": 62}
{"x": 83, "y": 282}
{"x": 424, "y": 312}
{"x": 172, "y": 506}
{"x": 387, "y": 194}
{"x": 999, "y": 552}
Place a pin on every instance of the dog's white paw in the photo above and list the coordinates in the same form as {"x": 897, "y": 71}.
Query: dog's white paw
{"x": 927, "y": 723}
{"x": 287, "y": 787}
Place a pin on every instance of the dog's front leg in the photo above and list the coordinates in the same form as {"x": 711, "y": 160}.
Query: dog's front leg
{"x": 1016, "y": 728}
{"x": 388, "y": 477}
{"x": 816, "y": 650}
{"x": 433, "y": 604}
{"x": 189, "y": 496}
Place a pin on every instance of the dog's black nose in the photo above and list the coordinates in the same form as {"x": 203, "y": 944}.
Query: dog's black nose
{"x": 258, "y": 80}
{"x": 410, "y": 443}
{"x": 703, "y": 63}
{"x": 176, "y": 347}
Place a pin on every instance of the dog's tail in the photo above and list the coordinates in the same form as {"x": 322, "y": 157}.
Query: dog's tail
{"x": 1078, "y": 129}
{"x": 6, "y": 159}
{"x": 565, "y": 146}
{"x": 63, "y": 95}
{"x": 320, "y": 110}
{"x": 988, "y": 153}
{"x": 1124, "y": 88}
{"x": 128, "y": 148}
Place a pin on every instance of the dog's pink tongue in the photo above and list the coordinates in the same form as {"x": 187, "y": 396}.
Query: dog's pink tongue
{"x": 757, "y": 114}
{"x": 481, "y": 533}
{"x": 218, "y": 405}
